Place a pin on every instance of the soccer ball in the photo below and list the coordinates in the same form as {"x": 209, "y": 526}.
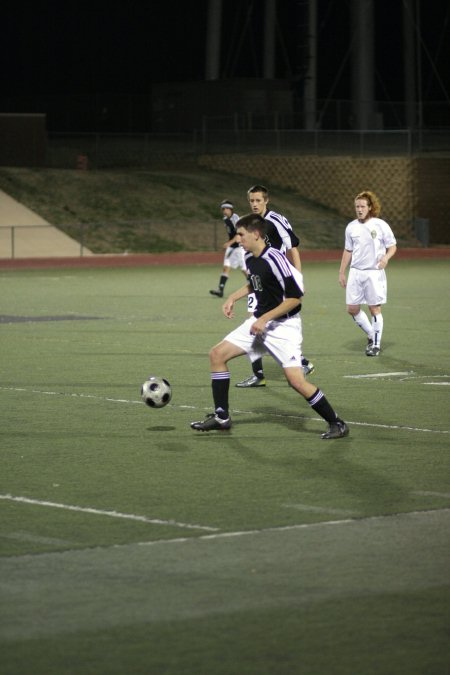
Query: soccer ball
{"x": 156, "y": 392}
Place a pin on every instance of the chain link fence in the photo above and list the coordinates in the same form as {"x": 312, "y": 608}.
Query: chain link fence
{"x": 98, "y": 151}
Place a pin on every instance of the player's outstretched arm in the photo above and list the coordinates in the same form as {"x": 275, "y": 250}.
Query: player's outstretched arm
{"x": 228, "y": 305}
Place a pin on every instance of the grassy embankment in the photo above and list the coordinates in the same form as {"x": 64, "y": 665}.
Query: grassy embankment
{"x": 141, "y": 211}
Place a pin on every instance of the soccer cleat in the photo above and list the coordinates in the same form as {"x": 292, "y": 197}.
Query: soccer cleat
{"x": 369, "y": 344}
{"x": 252, "y": 381}
{"x": 374, "y": 351}
{"x": 308, "y": 368}
{"x": 212, "y": 423}
{"x": 338, "y": 430}
{"x": 217, "y": 292}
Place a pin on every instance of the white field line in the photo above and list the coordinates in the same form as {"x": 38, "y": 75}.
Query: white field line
{"x": 69, "y": 394}
{"x": 245, "y": 533}
{"x": 111, "y": 514}
{"x": 404, "y": 375}
{"x": 400, "y": 427}
{"x": 234, "y": 410}
{"x": 287, "y": 528}
{"x": 373, "y": 375}
{"x": 350, "y": 422}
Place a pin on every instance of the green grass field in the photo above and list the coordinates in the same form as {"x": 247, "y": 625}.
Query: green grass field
{"x": 131, "y": 544}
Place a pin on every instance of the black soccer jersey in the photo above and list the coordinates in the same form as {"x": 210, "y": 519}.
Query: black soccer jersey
{"x": 273, "y": 279}
{"x": 278, "y": 229}
{"x": 230, "y": 226}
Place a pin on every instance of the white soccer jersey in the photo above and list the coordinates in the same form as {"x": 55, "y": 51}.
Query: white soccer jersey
{"x": 368, "y": 242}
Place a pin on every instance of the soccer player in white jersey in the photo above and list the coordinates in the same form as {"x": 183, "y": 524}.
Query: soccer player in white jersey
{"x": 275, "y": 329}
{"x": 281, "y": 236}
{"x": 369, "y": 245}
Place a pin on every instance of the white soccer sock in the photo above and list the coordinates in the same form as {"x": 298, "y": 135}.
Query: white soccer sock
{"x": 363, "y": 322}
{"x": 377, "y": 324}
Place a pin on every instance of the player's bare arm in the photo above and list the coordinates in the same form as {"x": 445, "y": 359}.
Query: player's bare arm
{"x": 345, "y": 262}
{"x": 383, "y": 261}
{"x": 230, "y": 242}
{"x": 293, "y": 255}
{"x": 228, "y": 305}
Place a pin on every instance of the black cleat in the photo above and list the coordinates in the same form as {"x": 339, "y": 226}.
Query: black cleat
{"x": 369, "y": 344}
{"x": 252, "y": 381}
{"x": 212, "y": 423}
{"x": 217, "y": 292}
{"x": 338, "y": 430}
{"x": 374, "y": 351}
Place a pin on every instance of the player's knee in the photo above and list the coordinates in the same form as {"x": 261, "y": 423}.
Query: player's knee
{"x": 214, "y": 353}
{"x": 217, "y": 354}
{"x": 296, "y": 379}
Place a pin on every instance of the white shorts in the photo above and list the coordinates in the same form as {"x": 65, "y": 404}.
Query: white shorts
{"x": 282, "y": 339}
{"x": 234, "y": 257}
{"x": 367, "y": 287}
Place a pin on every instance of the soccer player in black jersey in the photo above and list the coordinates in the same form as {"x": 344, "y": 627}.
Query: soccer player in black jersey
{"x": 275, "y": 328}
{"x": 234, "y": 255}
{"x": 281, "y": 236}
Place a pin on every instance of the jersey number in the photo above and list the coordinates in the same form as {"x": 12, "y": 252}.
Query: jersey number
{"x": 256, "y": 282}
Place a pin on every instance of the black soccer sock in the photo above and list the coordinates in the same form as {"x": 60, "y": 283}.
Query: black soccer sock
{"x": 305, "y": 362}
{"x": 319, "y": 403}
{"x": 223, "y": 281}
{"x": 257, "y": 368}
{"x": 220, "y": 383}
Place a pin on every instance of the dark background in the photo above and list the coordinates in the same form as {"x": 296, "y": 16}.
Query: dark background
{"x": 56, "y": 49}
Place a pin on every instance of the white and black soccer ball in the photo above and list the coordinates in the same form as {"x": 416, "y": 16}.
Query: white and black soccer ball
{"x": 156, "y": 392}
